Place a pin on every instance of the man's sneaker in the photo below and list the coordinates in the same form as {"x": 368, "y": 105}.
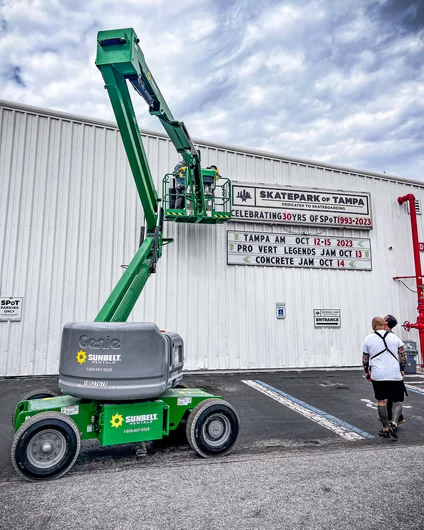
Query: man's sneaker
{"x": 401, "y": 420}
{"x": 393, "y": 431}
{"x": 384, "y": 434}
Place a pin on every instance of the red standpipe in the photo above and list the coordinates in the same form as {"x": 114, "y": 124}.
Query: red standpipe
{"x": 419, "y": 324}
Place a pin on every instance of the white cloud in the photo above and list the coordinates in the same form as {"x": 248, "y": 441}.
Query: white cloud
{"x": 334, "y": 81}
{"x": 284, "y": 62}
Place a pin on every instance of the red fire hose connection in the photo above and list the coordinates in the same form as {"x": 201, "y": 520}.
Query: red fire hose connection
{"x": 419, "y": 324}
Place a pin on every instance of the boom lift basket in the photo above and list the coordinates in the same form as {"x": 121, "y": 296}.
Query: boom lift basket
{"x": 217, "y": 201}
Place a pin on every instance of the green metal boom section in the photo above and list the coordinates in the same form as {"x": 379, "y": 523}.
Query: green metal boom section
{"x": 119, "y": 58}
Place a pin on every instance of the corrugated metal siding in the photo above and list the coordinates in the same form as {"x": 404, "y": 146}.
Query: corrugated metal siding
{"x": 70, "y": 217}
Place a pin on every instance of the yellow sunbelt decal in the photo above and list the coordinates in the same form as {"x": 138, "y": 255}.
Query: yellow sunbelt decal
{"x": 81, "y": 357}
{"x": 117, "y": 420}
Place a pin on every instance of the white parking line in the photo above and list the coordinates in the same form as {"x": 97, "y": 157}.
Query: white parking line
{"x": 343, "y": 429}
{"x": 415, "y": 389}
{"x": 370, "y": 404}
{"x": 373, "y": 404}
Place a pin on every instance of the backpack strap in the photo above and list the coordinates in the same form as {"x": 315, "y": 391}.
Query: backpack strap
{"x": 383, "y": 338}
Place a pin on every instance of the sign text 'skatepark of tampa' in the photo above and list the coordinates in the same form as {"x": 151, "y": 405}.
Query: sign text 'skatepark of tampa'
{"x": 301, "y": 206}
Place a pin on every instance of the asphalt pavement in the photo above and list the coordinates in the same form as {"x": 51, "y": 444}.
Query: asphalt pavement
{"x": 354, "y": 488}
{"x": 308, "y": 456}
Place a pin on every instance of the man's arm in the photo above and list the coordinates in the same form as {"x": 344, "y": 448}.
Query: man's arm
{"x": 176, "y": 170}
{"x": 366, "y": 364}
{"x": 402, "y": 358}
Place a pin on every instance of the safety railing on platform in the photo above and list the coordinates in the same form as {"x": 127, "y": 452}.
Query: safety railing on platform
{"x": 181, "y": 206}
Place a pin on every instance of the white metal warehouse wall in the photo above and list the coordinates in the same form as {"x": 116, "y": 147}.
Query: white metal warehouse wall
{"x": 70, "y": 216}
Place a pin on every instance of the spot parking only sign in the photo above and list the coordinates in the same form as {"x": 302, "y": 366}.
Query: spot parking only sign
{"x": 10, "y": 309}
{"x": 327, "y": 318}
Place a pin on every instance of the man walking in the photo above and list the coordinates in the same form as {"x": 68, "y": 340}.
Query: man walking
{"x": 389, "y": 323}
{"x": 383, "y": 358}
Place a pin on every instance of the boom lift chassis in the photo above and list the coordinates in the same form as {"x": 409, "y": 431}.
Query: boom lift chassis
{"x": 49, "y": 428}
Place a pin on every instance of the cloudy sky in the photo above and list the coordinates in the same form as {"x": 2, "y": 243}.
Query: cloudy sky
{"x": 339, "y": 81}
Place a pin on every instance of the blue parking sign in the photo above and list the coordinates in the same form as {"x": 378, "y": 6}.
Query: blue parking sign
{"x": 281, "y": 310}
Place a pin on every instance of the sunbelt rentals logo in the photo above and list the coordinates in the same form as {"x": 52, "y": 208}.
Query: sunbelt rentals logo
{"x": 81, "y": 357}
{"x": 118, "y": 420}
{"x": 98, "y": 358}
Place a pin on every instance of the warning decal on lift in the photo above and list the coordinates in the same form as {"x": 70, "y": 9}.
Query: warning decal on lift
{"x": 289, "y": 250}
{"x": 70, "y": 411}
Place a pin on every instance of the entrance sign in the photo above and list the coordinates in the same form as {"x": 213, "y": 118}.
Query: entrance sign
{"x": 301, "y": 206}
{"x": 289, "y": 250}
{"x": 10, "y": 309}
{"x": 327, "y": 318}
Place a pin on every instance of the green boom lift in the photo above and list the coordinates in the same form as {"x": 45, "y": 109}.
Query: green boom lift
{"x": 119, "y": 58}
{"x": 120, "y": 380}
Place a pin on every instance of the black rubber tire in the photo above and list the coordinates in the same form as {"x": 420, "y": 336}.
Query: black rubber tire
{"x": 40, "y": 393}
{"x": 223, "y": 415}
{"x": 54, "y": 423}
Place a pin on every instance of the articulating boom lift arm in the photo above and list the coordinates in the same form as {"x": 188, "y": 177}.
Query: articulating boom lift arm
{"x": 120, "y": 59}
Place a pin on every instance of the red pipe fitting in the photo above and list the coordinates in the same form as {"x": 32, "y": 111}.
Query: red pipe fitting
{"x": 407, "y": 325}
{"x": 405, "y": 198}
{"x": 419, "y": 324}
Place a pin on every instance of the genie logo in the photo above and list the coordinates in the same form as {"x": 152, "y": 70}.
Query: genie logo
{"x": 99, "y": 343}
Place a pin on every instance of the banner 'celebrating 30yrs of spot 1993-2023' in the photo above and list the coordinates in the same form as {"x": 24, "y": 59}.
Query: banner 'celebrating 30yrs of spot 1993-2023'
{"x": 301, "y": 206}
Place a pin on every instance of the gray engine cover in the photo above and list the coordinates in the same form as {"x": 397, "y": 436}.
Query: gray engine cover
{"x": 116, "y": 361}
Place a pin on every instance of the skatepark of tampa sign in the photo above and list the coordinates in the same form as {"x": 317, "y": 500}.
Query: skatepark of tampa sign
{"x": 301, "y": 206}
